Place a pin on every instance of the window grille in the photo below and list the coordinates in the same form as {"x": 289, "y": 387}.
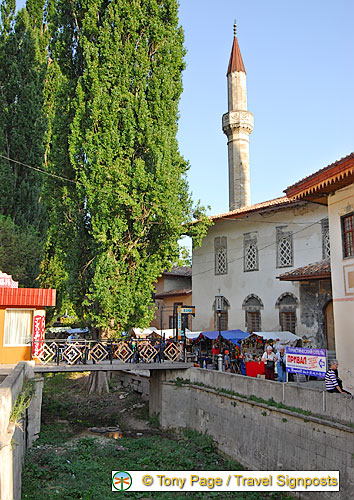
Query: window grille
{"x": 251, "y": 258}
{"x": 221, "y": 261}
{"x": 326, "y": 249}
{"x": 348, "y": 235}
{"x": 285, "y": 257}
{"x": 326, "y": 246}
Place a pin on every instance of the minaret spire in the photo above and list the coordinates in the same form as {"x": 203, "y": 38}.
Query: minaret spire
{"x": 237, "y": 124}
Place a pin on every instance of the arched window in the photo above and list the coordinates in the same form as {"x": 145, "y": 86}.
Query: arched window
{"x": 287, "y": 304}
{"x": 252, "y": 306}
{"x": 224, "y": 316}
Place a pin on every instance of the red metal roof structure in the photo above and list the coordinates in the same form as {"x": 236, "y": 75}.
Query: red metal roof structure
{"x": 323, "y": 182}
{"x": 236, "y": 62}
{"x": 315, "y": 271}
{"x": 27, "y": 297}
{"x": 265, "y": 206}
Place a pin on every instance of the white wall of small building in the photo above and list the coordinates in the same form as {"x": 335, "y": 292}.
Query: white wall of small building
{"x": 304, "y": 222}
{"x": 339, "y": 205}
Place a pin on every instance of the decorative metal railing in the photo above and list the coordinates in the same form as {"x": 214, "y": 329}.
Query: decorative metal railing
{"x": 94, "y": 352}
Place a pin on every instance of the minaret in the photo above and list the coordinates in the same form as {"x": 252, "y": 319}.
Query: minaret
{"x": 237, "y": 124}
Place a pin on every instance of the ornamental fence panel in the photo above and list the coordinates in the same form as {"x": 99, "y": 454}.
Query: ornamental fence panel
{"x": 71, "y": 352}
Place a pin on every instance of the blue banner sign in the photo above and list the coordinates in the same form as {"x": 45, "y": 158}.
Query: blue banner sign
{"x": 306, "y": 361}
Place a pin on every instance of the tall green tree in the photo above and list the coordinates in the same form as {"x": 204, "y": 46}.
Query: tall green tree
{"x": 114, "y": 133}
{"x": 23, "y": 65}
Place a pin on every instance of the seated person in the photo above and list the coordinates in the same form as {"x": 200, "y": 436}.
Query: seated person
{"x": 333, "y": 383}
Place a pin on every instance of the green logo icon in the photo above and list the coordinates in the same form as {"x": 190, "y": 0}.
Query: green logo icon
{"x": 121, "y": 480}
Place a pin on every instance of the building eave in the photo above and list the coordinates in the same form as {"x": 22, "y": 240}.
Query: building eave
{"x": 321, "y": 184}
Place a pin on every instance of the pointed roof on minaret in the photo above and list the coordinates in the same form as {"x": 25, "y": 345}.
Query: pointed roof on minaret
{"x": 235, "y": 63}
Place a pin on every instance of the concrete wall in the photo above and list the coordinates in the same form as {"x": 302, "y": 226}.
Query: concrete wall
{"x": 340, "y": 204}
{"x": 15, "y": 440}
{"x": 259, "y": 436}
{"x": 237, "y": 284}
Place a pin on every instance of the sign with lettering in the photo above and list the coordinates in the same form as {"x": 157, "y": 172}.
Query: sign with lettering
{"x": 38, "y": 333}
{"x": 306, "y": 361}
{"x": 6, "y": 281}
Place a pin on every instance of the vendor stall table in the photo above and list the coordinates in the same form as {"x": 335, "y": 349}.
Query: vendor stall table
{"x": 254, "y": 368}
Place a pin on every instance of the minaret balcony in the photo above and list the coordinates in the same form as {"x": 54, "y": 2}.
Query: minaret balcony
{"x": 237, "y": 120}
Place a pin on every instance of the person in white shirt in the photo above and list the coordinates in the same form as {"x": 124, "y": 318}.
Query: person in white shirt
{"x": 269, "y": 359}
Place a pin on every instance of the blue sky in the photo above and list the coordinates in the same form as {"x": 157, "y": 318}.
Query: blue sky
{"x": 300, "y": 73}
{"x": 300, "y": 76}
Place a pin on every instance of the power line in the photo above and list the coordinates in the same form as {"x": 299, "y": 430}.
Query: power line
{"x": 260, "y": 250}
{"x": 40, "y": 170}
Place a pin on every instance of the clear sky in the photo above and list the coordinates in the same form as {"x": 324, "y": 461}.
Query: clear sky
{"x": 299, "y": 58}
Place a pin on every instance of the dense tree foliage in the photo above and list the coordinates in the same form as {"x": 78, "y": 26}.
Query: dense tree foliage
{"x": 23, "y": 63}
{"x": 89, "y": 93}
{"x": 19, "y": 252}
{"x": 118, "y": 83}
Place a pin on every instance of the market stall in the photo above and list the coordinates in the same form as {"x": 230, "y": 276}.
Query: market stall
{"x": 207, "y": 346}
{"x": 254, "y": 345}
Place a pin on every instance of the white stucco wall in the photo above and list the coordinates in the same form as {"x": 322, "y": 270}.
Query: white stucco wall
{"x": 341, "y": 204}
{"x": 236, "y": 285}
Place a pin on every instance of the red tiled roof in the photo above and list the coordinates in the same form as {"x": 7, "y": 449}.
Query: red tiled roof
{"x": 183, "y": 271}
{"x": 172, "y": 293}
{"x": 334, "y": 176}
{"x": 282, "y": 202}
{"x": 317, "y": 270}
{"x": 27, "y": 297}
{"x": 236, "y": 62}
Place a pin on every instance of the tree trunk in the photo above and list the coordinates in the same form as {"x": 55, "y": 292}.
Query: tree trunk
{"x": 97, "y": 382}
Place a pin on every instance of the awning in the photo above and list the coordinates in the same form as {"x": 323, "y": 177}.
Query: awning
{"x": 226, "y": 334}
{"x": 284, "y": 337}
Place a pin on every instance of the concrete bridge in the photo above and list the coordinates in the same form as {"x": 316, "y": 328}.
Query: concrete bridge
{"x": 104, "y": 366}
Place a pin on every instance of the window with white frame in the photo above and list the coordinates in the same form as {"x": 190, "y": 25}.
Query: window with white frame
{"x": 348, "y": 235}
{"x": 250, "y": 252}
{"x": 220, "y": 249}
{"x": 284, "y": 240}
{"x": 18, "y": 326}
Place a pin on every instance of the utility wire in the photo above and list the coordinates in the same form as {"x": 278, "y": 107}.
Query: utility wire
{"x": 40, "y": 170}
{"x": 260, "y": 250}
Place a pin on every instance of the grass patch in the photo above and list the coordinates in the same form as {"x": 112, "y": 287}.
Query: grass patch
{"x": 22, "y": 402}
{"x": 64, "y": 465}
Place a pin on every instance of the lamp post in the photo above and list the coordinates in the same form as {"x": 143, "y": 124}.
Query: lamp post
{"x": 219, "y": 309}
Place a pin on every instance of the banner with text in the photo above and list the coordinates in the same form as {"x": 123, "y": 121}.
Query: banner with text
{"x": 306, "y": 361}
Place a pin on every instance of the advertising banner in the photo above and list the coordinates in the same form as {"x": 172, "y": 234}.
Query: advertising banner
{"x": 306, "y": 361}
{"x": 38, "y": 333}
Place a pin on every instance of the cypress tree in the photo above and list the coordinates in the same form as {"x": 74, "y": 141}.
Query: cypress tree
{"x": 114, "y": 128}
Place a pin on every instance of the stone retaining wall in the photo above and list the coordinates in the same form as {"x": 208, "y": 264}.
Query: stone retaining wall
{"x": 14, "y": 440}
{"x": 136, "y": 381}
{"x": 259, "y": 436}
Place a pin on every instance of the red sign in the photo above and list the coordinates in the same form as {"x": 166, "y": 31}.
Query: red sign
{"x": 38, "y": 333}
{"x": 6, "y": 281}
